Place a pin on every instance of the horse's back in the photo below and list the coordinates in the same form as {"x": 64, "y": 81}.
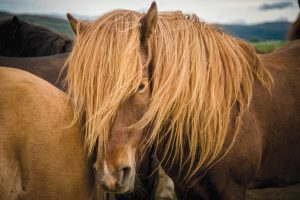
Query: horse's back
{"x": 278, "y": 116}
{"x": 47, "y": 67}
{"x": 42, "y": 156}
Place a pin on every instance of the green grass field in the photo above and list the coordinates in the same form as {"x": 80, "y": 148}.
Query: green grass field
{"x": 267, "y": 46}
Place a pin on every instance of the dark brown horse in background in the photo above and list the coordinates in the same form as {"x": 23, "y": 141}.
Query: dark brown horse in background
{"x": 168, "y": 68}
{"x": 48, "y": 68}
{"x": 33, "y": 48}
{"x": 26, "y": 46}
{"x": 294, "y": 31}
{"x": 21, "y": 39}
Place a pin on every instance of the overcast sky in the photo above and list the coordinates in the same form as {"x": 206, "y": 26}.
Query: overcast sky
{"x": 220, "y": 11}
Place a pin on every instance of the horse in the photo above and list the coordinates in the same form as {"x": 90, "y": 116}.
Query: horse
{"x": 48, "y": 68}
{"x": 21, "y": 39}
{"x": 41, "y": 155}
{"x": 222, "y": 118}
{"x": 294, "y": 30}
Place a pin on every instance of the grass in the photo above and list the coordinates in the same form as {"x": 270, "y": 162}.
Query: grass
{"x": 268, "y": 46}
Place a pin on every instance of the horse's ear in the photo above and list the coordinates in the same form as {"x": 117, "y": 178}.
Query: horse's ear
{"x": 75, "y": 25}
{"x": 14, "y": 23}
{"x": 148, "y": 23}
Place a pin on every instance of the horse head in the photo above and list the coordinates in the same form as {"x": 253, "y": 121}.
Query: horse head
{"x": 9, "y": 35}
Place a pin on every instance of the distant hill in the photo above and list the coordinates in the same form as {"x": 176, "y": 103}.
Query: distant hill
{"x": 254, "y": 33}
{"x": 259, "y": 32}
{"x": 56, "y": 24}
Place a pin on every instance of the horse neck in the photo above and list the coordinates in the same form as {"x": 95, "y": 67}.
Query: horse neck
{"x": 172, "y": 168}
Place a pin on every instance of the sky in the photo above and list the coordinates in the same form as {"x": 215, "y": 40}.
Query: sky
{"x": 212, "y": 11}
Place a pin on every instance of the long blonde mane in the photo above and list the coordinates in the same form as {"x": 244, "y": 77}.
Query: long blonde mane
{"x": 199, "y": 75}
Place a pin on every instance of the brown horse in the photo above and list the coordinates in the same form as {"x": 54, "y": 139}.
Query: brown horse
{"x": 41, "y": 155}
{"x": 223, "y": 119}
{"x": 294, "y": 31}
{"x": 48, "y": 68}
{"x": 21, "y": 39}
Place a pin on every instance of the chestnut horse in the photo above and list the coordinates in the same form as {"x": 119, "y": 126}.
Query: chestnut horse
{"x": 41, "y": 155}
{"x": 223, "y": 119}
{"x": 21, "y": 39}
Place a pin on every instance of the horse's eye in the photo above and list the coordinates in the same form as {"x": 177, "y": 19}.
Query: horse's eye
{"x": 142, "y": 88}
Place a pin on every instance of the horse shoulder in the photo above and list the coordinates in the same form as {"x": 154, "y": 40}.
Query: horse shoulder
{"x": 48, "y": 148}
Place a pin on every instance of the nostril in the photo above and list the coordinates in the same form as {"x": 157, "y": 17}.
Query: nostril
{"x": 124, "y": 173}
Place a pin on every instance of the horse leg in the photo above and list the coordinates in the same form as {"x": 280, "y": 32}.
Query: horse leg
{"x": 233, "y": 191}
{"x": 191, "y": 194}
{"x": 206, "y": 191}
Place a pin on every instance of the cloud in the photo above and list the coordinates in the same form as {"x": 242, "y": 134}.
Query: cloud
{"x": 278, "y": 6}
{"x": 282, "y": 19}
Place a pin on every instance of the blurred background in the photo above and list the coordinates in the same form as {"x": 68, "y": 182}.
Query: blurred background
{"x": 262, "y": 22}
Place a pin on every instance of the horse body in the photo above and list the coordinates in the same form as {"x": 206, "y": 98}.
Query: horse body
{"x": 49, "y": 68}
{"x": 41, "y": 155}
{"x": 279, "y": 117}
{"x": 266, "y": 152}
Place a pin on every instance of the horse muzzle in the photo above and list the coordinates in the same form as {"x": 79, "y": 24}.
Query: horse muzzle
{"x": 121, "y": 181}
